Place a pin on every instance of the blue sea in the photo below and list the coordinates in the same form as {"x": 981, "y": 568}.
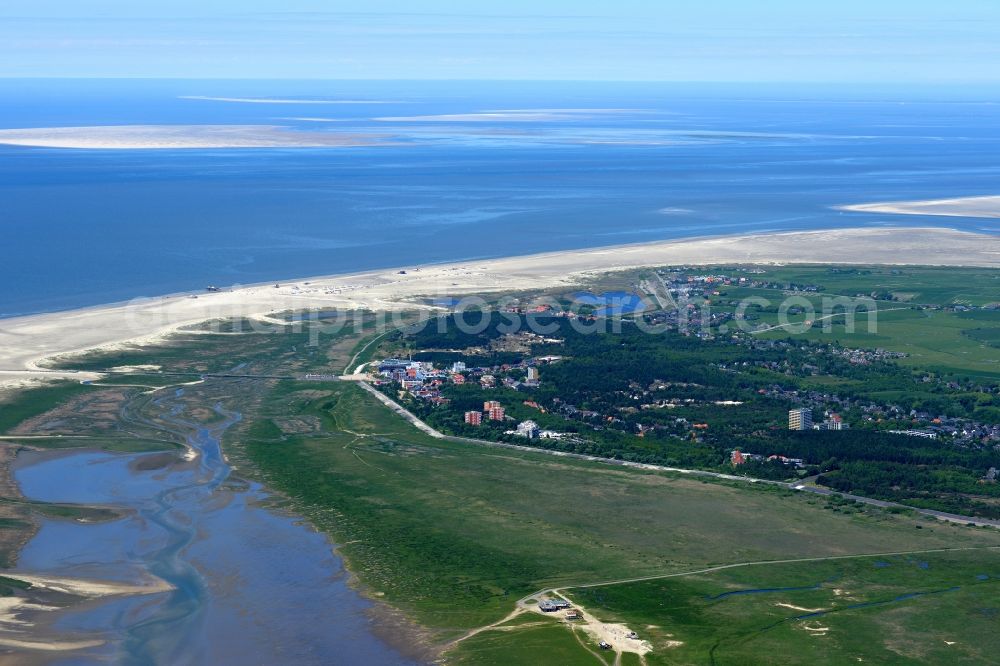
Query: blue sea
{"x": 466, "y": 170}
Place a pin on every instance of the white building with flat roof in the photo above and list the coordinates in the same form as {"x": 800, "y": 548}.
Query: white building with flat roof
{"x": 528, "y": 429}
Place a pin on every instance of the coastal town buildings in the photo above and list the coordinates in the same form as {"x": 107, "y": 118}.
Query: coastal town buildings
{"x": 833, "y": 422}
{"x": 737, "y": 458}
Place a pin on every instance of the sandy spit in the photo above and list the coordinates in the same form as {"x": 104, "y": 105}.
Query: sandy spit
{"x": 93, "y": 589}
{"x": 22, "y": 634}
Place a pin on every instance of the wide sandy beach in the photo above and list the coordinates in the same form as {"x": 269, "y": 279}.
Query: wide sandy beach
{"x": 26, "y": 341}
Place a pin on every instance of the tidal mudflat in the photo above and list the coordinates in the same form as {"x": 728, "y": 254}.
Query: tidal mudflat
{"x": 247, "y": 584}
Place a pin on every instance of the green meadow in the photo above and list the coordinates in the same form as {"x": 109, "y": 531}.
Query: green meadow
{"x": 937, "y": 608}
{"x": 453, "y": 534}
{"x": 915, "y": 306}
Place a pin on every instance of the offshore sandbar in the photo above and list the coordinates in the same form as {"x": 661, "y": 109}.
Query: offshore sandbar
{"x": 278, "y": 100}
{"x": 983, "y": 206}
{"x": 145, "y": 137}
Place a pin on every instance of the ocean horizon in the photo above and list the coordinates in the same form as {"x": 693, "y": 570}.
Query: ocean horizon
{"x": 458, "y": 171}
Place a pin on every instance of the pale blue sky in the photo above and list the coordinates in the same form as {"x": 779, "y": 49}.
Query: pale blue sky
{"x": 863, "y": 41}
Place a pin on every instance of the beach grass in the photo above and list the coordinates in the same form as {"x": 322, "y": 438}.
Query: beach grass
{"x": 27, "y": 403}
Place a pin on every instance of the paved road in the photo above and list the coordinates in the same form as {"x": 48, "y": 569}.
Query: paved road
{"x": 402, "y": 411}
{"x": 951, "y": 517}
{"x": 354, "y": 359}
{"x": 817, "y": 319}
{"x": 797, "y": 486}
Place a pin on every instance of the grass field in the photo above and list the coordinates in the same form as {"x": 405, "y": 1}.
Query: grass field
{"x": 940, "y": 341}
{"x": 945, "y": 341}
{"x": 529, "y": 643}
{"x": 916, "y": 284}
{"x": 20, "y": 406}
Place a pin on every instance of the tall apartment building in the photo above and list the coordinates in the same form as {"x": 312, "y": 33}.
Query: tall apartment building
{"x": 800, "y": 419}
{"x": 474, "y": 418}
